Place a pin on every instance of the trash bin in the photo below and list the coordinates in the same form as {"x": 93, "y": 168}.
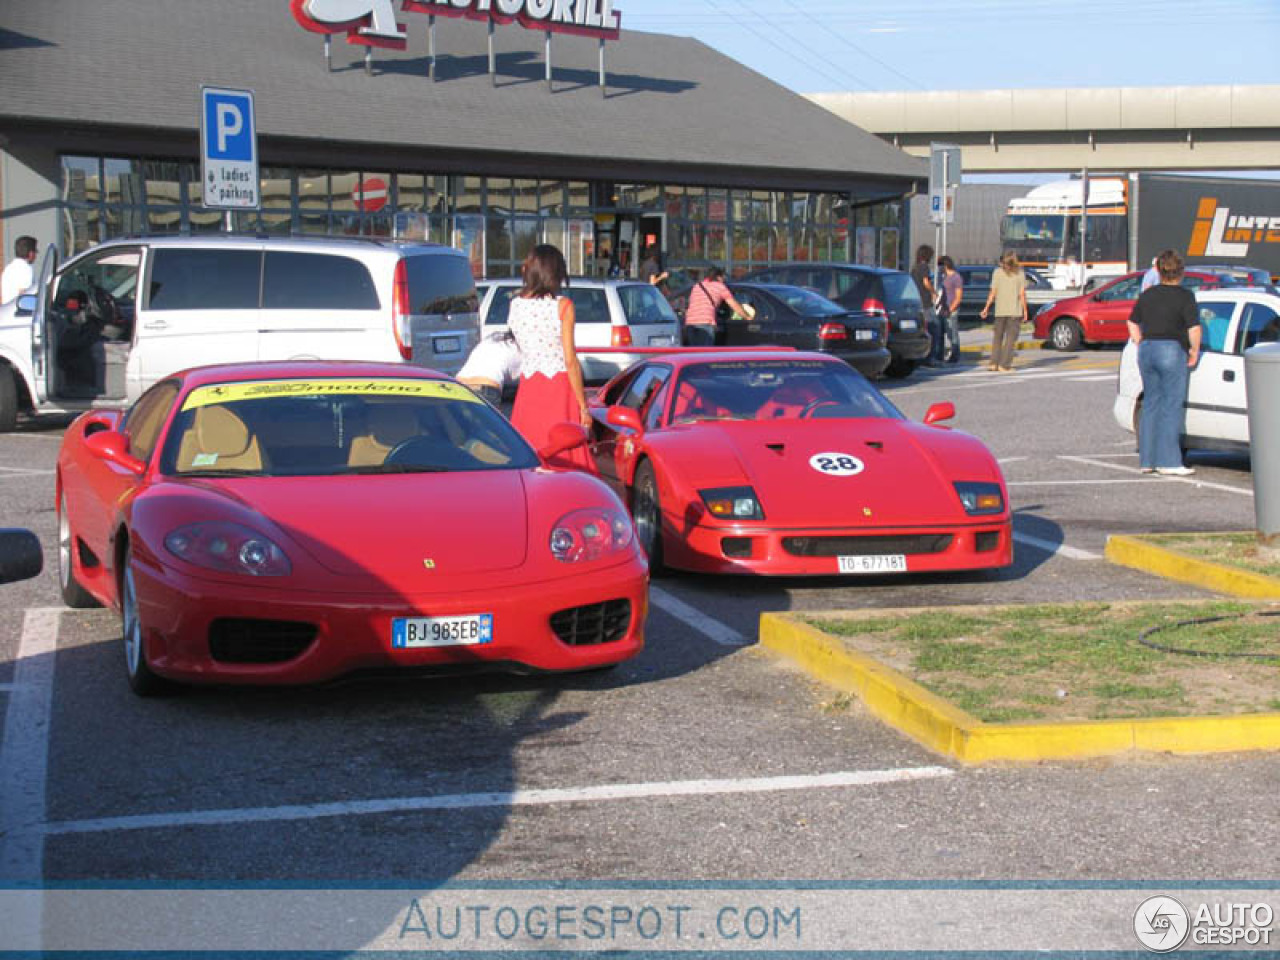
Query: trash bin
{"x": 1262, "y": 389}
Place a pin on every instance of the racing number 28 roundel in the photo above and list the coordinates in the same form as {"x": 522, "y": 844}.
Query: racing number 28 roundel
{"x": 836, "y": 464}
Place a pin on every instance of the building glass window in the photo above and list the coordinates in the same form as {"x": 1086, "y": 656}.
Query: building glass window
{"x": 313, "y": 201}
{"x": 496, "y": 220}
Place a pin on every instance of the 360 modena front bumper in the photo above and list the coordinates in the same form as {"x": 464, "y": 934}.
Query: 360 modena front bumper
{"x": 977, "y": 545}
{"x": 186, "y": 618}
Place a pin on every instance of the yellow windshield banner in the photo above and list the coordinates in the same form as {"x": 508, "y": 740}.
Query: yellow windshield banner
{"x": 263, "y": 389}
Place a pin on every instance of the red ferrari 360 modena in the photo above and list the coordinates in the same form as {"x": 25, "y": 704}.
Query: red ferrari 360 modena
{"x": 276, "y": 523}
{"x": 779, "y": 462}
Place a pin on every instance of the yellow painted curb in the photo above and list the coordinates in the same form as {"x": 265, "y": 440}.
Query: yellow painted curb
{"x": 1137, "y": 553}
{"x": 939, "y": 725}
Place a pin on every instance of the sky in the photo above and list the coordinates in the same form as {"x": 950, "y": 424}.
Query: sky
{"x": 882, "y": 45}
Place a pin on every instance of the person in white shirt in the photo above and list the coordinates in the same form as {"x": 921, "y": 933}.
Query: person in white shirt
{"x": 18, "y": 276}
{"x": 493, "y": 364}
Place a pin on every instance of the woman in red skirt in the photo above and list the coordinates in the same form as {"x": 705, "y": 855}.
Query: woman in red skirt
{"x": 551, "y": 389}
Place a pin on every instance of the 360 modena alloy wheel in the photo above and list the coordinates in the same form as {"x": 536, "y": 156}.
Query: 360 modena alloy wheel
{"x": 646, "y": 509}
{"x": 1065, "y": 335}
{"x": 73, "y": 595}
{"x": 141, "y": 680}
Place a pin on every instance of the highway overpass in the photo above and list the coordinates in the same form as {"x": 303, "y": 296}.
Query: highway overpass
{"x": 1102, "y": 128}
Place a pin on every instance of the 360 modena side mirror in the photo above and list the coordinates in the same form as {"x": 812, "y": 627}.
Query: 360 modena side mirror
{"x": 111, "y": 446}
{"x": 20, "y": 555}
{"x": 562, "y": 437}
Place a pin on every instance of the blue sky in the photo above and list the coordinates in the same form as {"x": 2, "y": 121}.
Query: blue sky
{"x": 861, "y": 45}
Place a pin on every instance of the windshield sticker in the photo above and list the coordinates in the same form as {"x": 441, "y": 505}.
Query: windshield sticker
{"x": 256, "y": 390}
{"x": 204, "y": 459}
{"x": 836, "y": 464}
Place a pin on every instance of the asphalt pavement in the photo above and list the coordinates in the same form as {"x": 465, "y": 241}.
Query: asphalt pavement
{"x": 703, "y": 759}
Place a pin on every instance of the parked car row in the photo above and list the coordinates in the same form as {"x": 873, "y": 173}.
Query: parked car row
{"x": 295, "y": 522}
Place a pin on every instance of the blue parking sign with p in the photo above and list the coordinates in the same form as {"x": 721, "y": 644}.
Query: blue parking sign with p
{"x": 228, "y": 149}
{"x": 228, "y": 122}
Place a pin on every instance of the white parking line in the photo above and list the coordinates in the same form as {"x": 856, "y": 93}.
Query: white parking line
{"x": 515, "y": 798}
{"x": 24, "y": 753}
{"x": 24, "y": 766}
{"x": 1075, "y": 553}
{"x": 1208, "y": 485}
{"x": 1075, "y": 483}
{"x": 709, "y": 627}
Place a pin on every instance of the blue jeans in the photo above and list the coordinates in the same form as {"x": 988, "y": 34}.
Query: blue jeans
{"x": 946, "y": 345}
{"x": 1163, "y": 365}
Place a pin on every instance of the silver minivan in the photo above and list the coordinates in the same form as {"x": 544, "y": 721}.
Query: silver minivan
{"x": 110, "y": 322}
{"x": 613, "y": 314}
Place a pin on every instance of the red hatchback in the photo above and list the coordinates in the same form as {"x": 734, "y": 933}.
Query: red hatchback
{"x": 1099, "y": 316}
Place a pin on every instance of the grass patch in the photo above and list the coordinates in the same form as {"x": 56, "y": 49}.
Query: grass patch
{"x": 1065, "y": 662}
{"x": 1230, "y": 549}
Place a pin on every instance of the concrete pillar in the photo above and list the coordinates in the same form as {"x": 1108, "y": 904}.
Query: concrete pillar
{"x": 1262, "y": 388}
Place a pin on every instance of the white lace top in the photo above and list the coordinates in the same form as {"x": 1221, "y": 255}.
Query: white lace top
{"x": 535, "y": 322}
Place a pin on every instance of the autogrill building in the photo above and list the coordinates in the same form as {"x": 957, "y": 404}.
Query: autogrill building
{"x": 362, "y": 131}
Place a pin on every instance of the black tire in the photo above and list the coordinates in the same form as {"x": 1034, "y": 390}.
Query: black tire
{"x": 73, "y": 595}
{"x": 8, "y": 399}
{"x": 900, "y": 367}
{"x": 1065, "y": 335}
{"x": 646, "y": 509}
{"x": 142, "y": 681}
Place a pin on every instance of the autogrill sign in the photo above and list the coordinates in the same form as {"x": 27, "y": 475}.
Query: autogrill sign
{"x": 373, "y": 22}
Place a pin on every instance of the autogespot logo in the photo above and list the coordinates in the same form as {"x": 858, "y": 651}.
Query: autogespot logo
{"x": 1161, "y": 924}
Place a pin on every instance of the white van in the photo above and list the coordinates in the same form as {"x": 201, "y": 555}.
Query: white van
{"x": 124, "y": 314}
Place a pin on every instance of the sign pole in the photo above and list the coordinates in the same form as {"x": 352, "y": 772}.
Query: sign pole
{"x": 431, "y": 47}
{"x": 547, "y": 57}
{"x": 603, "y": 87}
{"x": 1084, "y": 221}
{"x": 493, "y": 63}
{"x": 328, "y": 52}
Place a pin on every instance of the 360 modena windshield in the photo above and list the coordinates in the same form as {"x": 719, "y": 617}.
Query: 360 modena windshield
{"x": 338, "y": 427}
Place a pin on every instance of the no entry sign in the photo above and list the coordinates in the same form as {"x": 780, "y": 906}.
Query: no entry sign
{"x": 370, "y": 196}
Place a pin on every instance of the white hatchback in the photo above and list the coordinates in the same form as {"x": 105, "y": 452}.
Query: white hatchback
{"x": 612, "y": 314}
{"x": 1232, "y": 320}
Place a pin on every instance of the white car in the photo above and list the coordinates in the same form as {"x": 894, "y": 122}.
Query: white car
{"x": 609, "y": 313}
{"x": 1232, "y": 320}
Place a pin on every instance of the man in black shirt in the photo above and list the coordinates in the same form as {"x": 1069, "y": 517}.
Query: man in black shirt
{"x": 1166, "y": 327}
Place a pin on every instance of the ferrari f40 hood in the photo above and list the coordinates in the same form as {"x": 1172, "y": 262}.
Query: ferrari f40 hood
{"x": 814, "y": 473}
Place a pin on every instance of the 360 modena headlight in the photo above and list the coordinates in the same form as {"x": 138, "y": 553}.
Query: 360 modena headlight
{"x": 228, "y": 548}
{"x": 732, "y": 503}
{"x": 590, "y": 533}
{"x": 980, "y": 499}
